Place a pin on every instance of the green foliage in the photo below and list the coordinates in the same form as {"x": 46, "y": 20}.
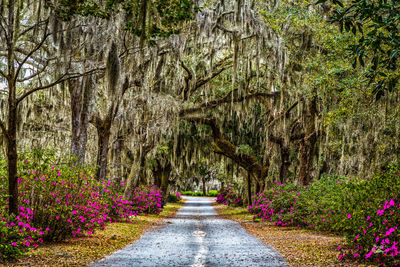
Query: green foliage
{"x": 187, "y": 193}
{"x": 376, "y": 26}
{"x": 362, "y": 210}
{"x": 172, "y": 198}
{"x": 191, "y": 193}
{"x": 8, "y": 248}
{"x": 212, "y": 193}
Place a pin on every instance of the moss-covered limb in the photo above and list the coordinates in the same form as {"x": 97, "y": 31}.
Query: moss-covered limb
{"x": 222, "y": 146}
{"x": 228, "y": 98}
{"x": 190, "y": 87}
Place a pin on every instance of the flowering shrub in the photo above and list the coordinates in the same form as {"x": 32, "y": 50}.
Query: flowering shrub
{"x": 366, "y": 212}
{"x": 58, "y": 203}
{"x": 276, "y": 205}
{"x": 147, "y": 200}
{"x": 377, "y": 238}
{"x": 229, "y": 197}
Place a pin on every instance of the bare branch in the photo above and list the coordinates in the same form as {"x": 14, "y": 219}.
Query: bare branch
{"x": 221, "y": 66}
{"x": 33, "y": 74}
{"x": 32, "y": 27}
{"x": 62, "y": 78}
{"x": 226, "y": 148}
{"x": 209, "y": 121}
{"x": 3, "y": 74}
{"x": 38, "y": 46}
{"x": 189, "y": 77}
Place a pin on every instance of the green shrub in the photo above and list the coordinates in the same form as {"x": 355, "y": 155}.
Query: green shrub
{"x": 367, "y": 212}
{"x": 187, "y": 193}
{"x": 174, "y": 197}
{"x": 212, "y": 193}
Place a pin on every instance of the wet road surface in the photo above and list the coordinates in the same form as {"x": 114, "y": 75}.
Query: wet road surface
{"x": 196, "y": 237}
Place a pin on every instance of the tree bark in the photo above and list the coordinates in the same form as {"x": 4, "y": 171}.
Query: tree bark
{"x": 249, "y": 188}
{"x": 137, "y": 173}
{"x": 204, "y": 185}
{"x": 102, "y": 151}
{"x": 81, "y": 93}
{"x": 117, "y": 152}
{"x": 284, "y": 157}
{"x": 307, "y": 144}
{"x": 285, "y": 164}
{"x": 161, "y": 175}
{"x": 12, "y": 155}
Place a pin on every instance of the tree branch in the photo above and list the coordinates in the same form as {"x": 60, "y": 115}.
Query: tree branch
{"x": 38, "y": 46}
{"x": 284, "y": 114}
{"x": 226, "y": 99}
{"x": 226, "y": 148}
{"x": 210, "y": 122}
{"x": 3, "y": 74}
{"x": 276, "y": 140}
{"x": 33, "y": 74}
{"x": 62, "y": 78}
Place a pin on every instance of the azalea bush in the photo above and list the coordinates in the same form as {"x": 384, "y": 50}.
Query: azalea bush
{"x": 59, "y": 202}
{"x": 229, "y": 197}
{"x": 366, "y": 212}
{"x": 277, "y": 205}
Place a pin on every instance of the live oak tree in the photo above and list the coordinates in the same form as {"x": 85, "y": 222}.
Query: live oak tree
{"x": 27, "y": 65}
{"x": 263, "y": 89}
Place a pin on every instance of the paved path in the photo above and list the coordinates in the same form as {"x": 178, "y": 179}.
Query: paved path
{"x": 196, "y": 237}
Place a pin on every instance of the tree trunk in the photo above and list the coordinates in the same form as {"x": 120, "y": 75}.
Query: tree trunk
{"x": 257, "y": 187}
{"x": 82, "y": 92}
{"x": 307, "y": 144}
{"x": 74, "y": 87}
{"x": 249, "y": 188}
{"x": 165, "y": 173}
{"x": 102, "y": 152}
{"x": 285, "y": 164}
{"x": 137, "y": 173}
{"x": 204, "y": 186}
{"x": 306, "y": 152}
{"x": 117, "y": 151}
{"x": 132, "y": 180}
{"x": 12, "y": 155}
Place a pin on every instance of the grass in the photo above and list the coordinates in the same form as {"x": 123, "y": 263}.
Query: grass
{"x": 300, "y": 247}
{"x": 85, "y": 250}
